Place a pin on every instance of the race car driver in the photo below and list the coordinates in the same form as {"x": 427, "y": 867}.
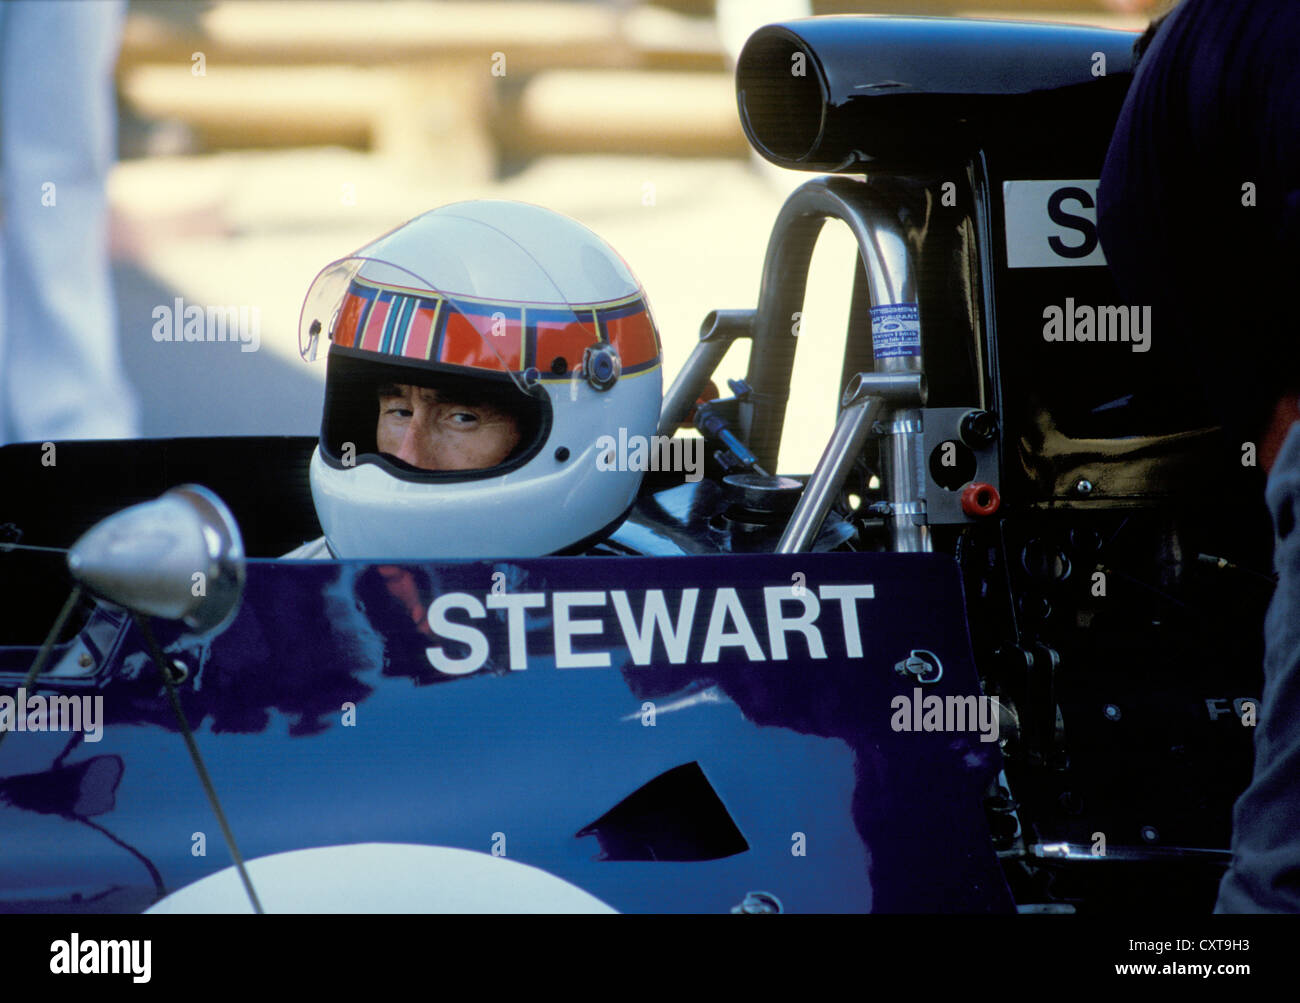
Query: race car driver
{"x": 476, "y": 355}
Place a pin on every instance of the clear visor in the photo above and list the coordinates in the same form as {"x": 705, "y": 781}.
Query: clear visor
{"x": 383, "y": 311}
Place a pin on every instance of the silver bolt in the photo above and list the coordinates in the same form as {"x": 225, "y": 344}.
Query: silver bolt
{"x": 1083, "y": 486}
{"x": 1150, "y": 834}
{"x": 1112, "y": 712}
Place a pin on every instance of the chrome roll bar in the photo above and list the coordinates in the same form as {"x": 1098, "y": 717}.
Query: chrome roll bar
{"x": 891, "y": 282}
{"x": 717, "y": 332}
{"x": 864, "y": 399}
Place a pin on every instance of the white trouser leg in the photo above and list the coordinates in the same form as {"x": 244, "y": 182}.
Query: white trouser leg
{"x": 60, "y": 366}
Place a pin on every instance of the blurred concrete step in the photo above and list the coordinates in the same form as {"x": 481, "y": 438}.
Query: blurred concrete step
{"x": 449, "y": 119}
{"x": 530, "y": 35}
{"x": 437, "y": 116}
{"x": 419, "y": 80}
{"x": 623, "y": 111}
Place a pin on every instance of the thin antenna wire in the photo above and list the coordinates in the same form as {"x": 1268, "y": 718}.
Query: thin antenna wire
{"x": 43, "y": 655}
{"x": 204, "y": 779}
{"x": 5, "y": 547}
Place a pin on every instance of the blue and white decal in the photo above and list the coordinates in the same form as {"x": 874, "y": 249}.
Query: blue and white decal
{"x": 895, "y": 330}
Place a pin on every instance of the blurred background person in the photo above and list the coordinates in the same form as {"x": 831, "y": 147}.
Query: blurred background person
{"x": 61, "y": 375}
{"x": 1201, "y": 190}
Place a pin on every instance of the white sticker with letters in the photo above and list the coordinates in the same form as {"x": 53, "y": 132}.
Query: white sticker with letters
{"x": 1051, "y": 224}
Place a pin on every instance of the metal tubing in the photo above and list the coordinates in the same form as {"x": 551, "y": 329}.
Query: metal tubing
{"x": 864, "y": 399}
{"x": 884, "y": 252}
{"x": 903, "y": 456}
{"x": 717, "y": 332}
{"x": 887, "y": 267}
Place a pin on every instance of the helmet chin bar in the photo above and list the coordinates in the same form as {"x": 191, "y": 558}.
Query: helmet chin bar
{"x": 556, "y": 497}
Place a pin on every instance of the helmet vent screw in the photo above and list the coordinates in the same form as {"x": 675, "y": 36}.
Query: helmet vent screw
{"x": 601, "y": 365}
{"x": 559, "y": 365}
{"x": 562, "y": 453}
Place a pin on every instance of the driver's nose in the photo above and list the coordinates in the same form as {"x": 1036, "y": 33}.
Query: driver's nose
{"x": 419, "y": 443}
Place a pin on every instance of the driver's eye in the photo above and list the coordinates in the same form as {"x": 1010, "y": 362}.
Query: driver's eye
{"x": 462, "y": 418}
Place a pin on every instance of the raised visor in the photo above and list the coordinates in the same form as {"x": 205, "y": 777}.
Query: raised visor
{"x": 831, "y": 93}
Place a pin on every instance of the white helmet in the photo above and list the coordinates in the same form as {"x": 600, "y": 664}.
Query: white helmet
{"x": 509, "y": 303}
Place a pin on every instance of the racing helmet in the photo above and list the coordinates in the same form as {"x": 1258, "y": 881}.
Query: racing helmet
{"x": 498, "y": 303}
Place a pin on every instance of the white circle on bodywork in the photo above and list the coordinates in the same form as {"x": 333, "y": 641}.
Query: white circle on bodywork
{"x": 384, "y": 878}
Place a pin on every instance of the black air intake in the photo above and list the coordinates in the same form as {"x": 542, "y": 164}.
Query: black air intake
{"x": 835, "y": 93}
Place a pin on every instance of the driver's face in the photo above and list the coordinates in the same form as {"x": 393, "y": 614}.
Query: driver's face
{"x": 420, "y": 427}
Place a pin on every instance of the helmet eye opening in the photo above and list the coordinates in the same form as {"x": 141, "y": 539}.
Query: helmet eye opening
{"x": 349, "y": 429}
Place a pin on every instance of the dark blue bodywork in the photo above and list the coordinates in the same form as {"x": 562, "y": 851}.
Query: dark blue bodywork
{"x": 801, "y": 788}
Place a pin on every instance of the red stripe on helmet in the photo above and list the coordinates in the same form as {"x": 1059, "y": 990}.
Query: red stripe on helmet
{"x": 417, "y": 341}
{"x": 562, "y": 340}
{"x": 464, "y": 345}
{"x": 634, "y": 337}
{"x": 347, "y": 327}
{"x": 375, "y": 326}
